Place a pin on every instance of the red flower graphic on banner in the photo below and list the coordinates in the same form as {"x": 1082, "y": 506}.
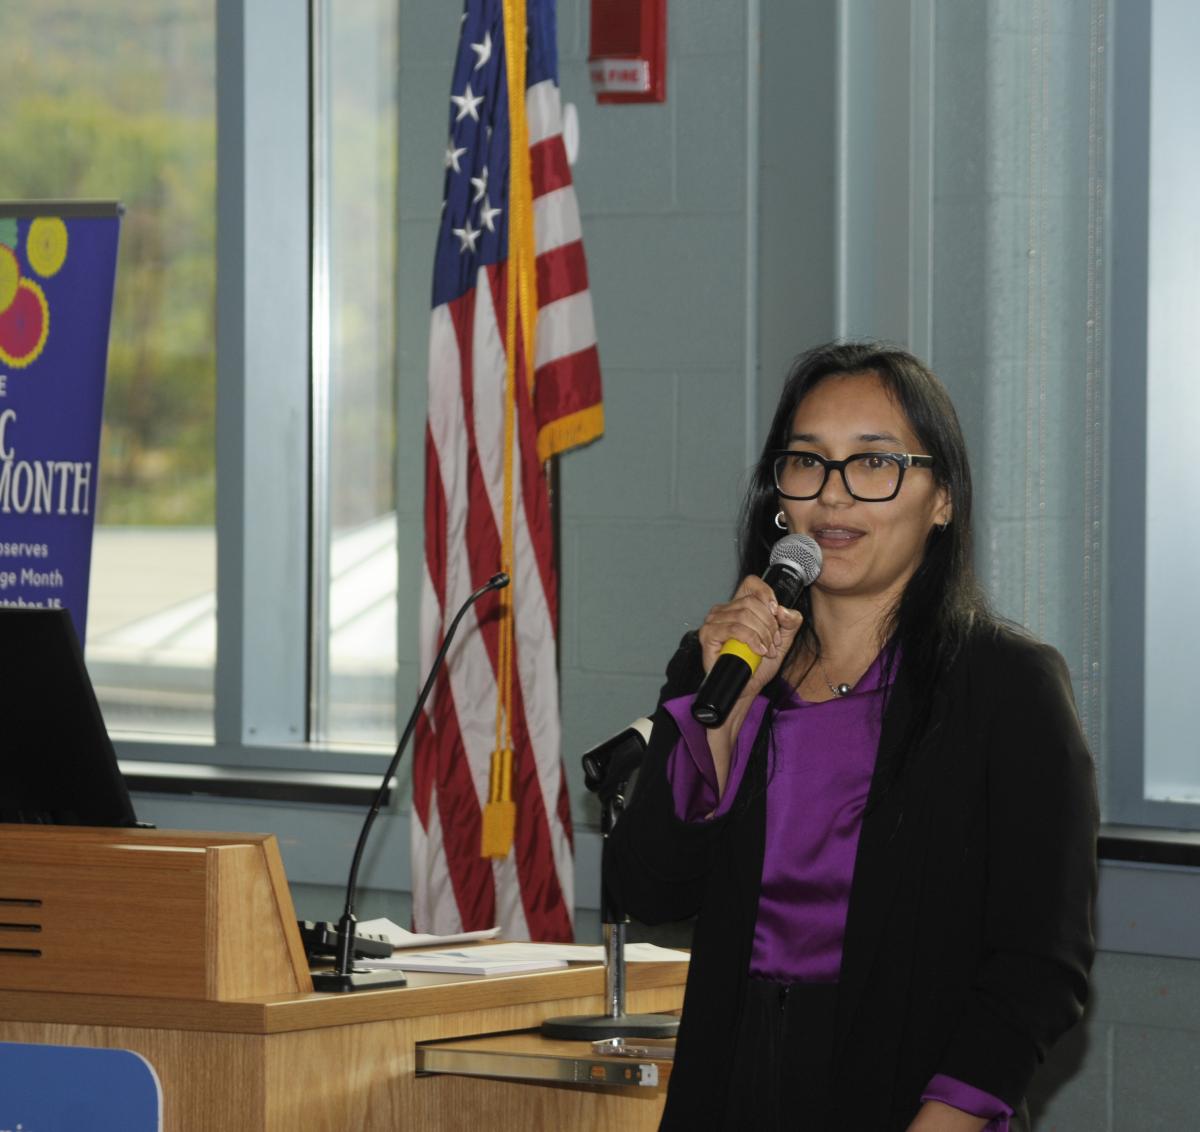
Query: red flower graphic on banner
{"x": 25, "y": 326}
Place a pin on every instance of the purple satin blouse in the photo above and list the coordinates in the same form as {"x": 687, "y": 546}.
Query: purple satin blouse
{"x": 821, "y": 759}
{"x": 820, "y": 762}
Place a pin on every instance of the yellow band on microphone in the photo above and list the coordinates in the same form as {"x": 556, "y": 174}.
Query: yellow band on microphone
{"x": 742, "y": 652}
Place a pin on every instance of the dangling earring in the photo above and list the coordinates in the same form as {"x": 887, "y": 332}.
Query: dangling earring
{"x": 781, "y": 521}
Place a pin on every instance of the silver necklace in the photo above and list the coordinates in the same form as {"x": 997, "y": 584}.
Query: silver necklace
{"x": 838, "y": 690}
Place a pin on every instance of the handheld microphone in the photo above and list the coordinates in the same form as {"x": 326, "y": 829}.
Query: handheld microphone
{"x": 795, "y": 563}
{"x": 344, "y": 977}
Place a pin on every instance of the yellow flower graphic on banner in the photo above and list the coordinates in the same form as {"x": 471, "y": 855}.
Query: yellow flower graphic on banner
{"x": 10, "y": 276}
{"x": 46, "y": 246}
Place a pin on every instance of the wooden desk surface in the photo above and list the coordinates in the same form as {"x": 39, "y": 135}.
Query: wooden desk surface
{"x": 425, "y": 994}
{"x": 326, "y": 1063}
{"x": 267, "y": 1057}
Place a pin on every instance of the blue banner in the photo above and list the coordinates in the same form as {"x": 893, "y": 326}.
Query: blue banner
{"x": 70, "y": 1088}
{"x": 57, "y": 270}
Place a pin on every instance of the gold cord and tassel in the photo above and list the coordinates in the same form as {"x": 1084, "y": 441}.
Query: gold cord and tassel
{"x": 500, "y": 813}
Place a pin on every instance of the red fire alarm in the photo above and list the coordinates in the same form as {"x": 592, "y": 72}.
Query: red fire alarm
{"x": 628, "y": 57}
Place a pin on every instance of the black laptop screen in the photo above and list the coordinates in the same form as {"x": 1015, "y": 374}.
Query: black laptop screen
{"x": 57, "y": 763}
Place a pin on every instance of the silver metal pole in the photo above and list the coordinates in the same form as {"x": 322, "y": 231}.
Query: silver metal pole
{"x": 614, "y": 969}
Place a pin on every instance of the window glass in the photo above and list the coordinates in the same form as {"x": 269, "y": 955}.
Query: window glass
{"x": 115, "y": 100}
{"x": 1172, "y": 709}
{"x": 355, "y": 149}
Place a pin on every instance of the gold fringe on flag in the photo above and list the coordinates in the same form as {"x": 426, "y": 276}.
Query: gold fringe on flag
{"x": 570, "y": 431}
{"x": 500, "y": 813}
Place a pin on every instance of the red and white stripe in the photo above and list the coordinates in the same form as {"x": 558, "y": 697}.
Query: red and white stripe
{"x": 531, "y": 892}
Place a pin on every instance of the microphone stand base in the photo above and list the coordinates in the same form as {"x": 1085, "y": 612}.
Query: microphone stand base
{"x": 338, "y": 982}
{"x": 590, "y": 1028}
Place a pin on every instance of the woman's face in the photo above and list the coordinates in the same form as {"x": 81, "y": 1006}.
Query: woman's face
{"x": 869, "y": 549}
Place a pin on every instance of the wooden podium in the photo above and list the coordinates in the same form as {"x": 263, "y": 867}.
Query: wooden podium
{"x": 183, "y": 947}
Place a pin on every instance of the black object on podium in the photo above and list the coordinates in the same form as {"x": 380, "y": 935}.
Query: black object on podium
{"x": 607, "y": 770}
{"x": 59, "y": 766}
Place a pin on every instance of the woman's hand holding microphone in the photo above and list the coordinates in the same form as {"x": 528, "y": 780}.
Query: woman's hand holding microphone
{"x": 755, "y": 620}
{"x": 745, "y": 640}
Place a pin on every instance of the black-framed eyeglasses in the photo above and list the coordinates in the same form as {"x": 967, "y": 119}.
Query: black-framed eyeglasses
{"x": 871, "y": 477}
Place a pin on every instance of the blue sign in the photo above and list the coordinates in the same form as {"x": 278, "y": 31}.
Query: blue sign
{"x": 57, "y": 270}
{"x": 71, "y": 1088}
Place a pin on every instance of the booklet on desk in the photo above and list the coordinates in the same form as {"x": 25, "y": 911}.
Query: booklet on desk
{"x": 401, "y": 937}
{"x": 485, "y": 960}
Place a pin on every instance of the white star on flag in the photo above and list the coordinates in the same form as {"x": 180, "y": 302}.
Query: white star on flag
{"x": 483, "y": 50}
{"x": 452, "y": 156}
{"x": 480, "y": 184}
{"x": 467, "y": 237}
{"x": 467, "y": 103}
{"x": 487, "y": 214}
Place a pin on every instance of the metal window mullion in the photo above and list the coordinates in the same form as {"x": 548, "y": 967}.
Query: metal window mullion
{"x": 320, "y": 530}
{"x": 263, "y": 341}
{"x": 921, "y": 113}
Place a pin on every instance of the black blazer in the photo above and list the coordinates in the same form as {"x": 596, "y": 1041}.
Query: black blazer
{"x": 969, "y": 929}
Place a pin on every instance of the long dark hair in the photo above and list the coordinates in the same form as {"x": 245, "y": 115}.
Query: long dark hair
{"x": 942, "y": 600}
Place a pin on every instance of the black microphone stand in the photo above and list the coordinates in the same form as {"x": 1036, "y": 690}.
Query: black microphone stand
{"x": 607, "y": 771}
{"x": 344, "y": 976}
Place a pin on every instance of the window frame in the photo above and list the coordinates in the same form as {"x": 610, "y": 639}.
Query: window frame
{"x": 267, "y": 402}
{"x": 266, "y": 341}
{"x": 1129, "y": 668}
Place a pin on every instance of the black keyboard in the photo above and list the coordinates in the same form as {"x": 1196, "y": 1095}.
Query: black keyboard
{"x": 320, "y": 941}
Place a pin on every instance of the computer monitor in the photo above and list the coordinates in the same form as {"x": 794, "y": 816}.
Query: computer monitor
{"x": 57, "y": 764}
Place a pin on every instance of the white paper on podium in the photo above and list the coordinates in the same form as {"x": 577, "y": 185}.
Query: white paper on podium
{"x": 401, "y": 937}
{"x": 489, "y": 959}
{"x": 398, "y": 937}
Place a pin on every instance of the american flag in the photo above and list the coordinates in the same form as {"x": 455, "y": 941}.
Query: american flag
{"x": 510, "y": 223}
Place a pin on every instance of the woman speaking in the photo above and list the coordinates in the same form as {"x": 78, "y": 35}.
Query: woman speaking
{"x": 889, "y": 841}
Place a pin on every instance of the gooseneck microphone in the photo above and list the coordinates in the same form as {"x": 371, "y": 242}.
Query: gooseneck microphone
{"x": 344, "y": 977}
{"x": 795, "y": 563}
